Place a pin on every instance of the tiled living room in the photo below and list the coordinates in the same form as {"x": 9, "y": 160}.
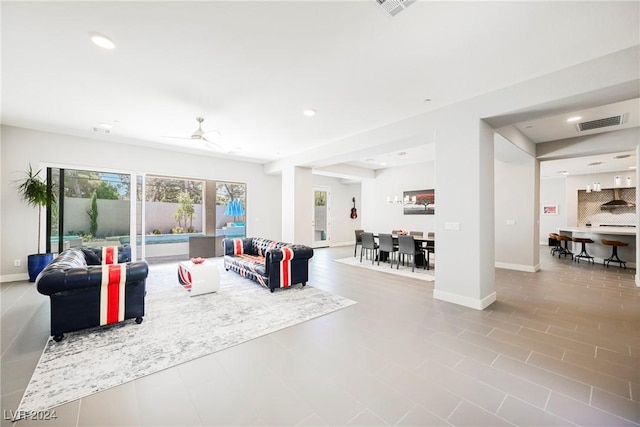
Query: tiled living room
{"x": 318, "y": 119}
{"x": 559, "y": 347}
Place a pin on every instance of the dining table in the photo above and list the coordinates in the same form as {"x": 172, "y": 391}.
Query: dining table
{"x": 421, "y": 243}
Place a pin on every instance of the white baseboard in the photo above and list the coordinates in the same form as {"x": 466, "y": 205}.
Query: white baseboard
{"x": 14, "y": 277}
{"x": 518, "y": 267}
{"x": 478, "y": 304}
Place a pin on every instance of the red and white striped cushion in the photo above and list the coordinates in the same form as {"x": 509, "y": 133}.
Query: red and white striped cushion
{"x": 285, "y": 267}
{"x": 109, "y": 255}
{"x": 112, "y": 293}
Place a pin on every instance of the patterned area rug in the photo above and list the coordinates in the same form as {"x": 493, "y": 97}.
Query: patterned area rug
{"x": 384, "y": 267}
{"x": 177, "y": 328}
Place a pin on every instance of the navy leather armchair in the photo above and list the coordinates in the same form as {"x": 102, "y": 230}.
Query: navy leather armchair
{"x": 84, "y": 293}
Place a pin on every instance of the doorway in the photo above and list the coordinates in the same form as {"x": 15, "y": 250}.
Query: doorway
{"x": 321, "y": 217}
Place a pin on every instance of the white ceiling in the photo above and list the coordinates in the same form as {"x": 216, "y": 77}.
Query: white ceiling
{"x": 250, "y": 68}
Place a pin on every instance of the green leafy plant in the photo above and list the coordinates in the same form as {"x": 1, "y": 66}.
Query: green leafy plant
{"x": 93, "y": 214}
{"x": 185, "y": 211}
{"x": 35, "y": 191}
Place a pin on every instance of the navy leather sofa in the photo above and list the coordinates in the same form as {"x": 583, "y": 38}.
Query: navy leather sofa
{"x": 272, "y": 264}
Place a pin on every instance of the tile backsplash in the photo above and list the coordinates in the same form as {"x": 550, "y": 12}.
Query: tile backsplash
{"x": 589, "y": 208}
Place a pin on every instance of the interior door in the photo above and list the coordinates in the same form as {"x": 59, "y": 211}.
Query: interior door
{"x": 321, "y": 217}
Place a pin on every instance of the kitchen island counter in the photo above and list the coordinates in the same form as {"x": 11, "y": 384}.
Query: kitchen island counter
{"x": 597, "y": 234}
{"x": 619, "y": 231}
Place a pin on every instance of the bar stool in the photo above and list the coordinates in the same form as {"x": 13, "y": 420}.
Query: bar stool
{"x": 565, "y": 250}
{"x": 556, "y": 243}
{"x": 614, "y": 255}
{"x": 583, "y": 253}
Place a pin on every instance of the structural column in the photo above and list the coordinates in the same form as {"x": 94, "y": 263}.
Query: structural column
{"x": 297, "y": 205}
{"x": 465, "y": 227}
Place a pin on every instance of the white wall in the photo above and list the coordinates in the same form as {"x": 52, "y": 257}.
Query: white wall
{"x": 553, "y": 192}
{"x": 380, "y": 217}
{"x": 20, "y": 147}
{"x": 515, "y": 215}
{"x": 342, "y": 226}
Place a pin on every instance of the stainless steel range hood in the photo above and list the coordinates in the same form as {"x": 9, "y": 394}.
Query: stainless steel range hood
{"x": 617, "y": 202}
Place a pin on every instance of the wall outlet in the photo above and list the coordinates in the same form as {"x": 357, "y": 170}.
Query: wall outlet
{"x": 16, "y": 263}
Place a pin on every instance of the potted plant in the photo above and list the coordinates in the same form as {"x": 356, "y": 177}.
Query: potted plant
{"x": 34, "y": 190}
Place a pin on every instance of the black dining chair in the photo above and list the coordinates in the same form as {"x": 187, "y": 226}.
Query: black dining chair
{"x": 387, "y": 246}
{"x": 430, "y": 247}
{"x": 369, "y": 244}
{"x": 407, "y": 246}
{"x": 358, "y": 241}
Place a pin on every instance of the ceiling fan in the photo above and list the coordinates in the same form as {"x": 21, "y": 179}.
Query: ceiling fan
{"x": 199, "y": 135}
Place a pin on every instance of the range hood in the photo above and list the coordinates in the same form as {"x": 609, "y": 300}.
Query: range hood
{"x": 617, "y": 202}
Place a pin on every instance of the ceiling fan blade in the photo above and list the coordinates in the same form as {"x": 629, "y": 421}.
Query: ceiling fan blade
{"x": 176, "y": 137}
{"x": 212, "y": 145}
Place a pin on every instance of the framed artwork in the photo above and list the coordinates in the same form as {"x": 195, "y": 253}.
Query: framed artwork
{"x": 550, "y": 210}
{"x": 419, "y": 202}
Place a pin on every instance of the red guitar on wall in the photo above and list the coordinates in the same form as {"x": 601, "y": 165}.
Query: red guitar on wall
{"x": 354, "y": 211}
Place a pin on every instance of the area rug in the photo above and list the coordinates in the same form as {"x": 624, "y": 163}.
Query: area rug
{"x": 404, "y": 270}
{"x": 177, "y": 328}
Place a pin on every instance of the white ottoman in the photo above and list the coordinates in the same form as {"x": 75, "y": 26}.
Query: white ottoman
{"x": 199, "y": 278}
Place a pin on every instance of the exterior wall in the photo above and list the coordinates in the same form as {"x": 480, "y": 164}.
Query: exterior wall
{"x": 159, "y": 215}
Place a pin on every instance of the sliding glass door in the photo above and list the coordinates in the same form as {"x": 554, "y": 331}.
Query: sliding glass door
{"x": 156, "y": 215}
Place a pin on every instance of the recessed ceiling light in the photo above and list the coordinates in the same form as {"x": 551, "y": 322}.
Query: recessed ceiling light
{"x": 594, "y": 163}
{"x": 402, "y": 153}
{"x": 427, "y": 100}
{"x": 573, "y": 119}
{"x": 383, "y": 164}
{"x": 309, "y": 112}
{"x": 102, "y": 41}
{"x": 529, "y": 127}
{"x": 369, "y": 160}
{"x": 564, "y": 172}
{"x": 622, "y": 156}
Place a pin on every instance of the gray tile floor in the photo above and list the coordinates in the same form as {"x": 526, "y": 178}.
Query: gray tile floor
{"x": 559, "y": 347}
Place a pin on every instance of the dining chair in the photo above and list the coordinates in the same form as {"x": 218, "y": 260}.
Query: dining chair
{"x": 358, "y": 241}
{"x": 386, "y": 245}
{"x": 417, "y": 233}
{"x": 369, "y": 244}
{"x": 407, "y": 246}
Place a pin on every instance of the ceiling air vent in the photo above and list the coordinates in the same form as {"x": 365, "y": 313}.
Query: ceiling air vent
{"x": 600, "y": 123}
{"x": 393, "y": 7}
